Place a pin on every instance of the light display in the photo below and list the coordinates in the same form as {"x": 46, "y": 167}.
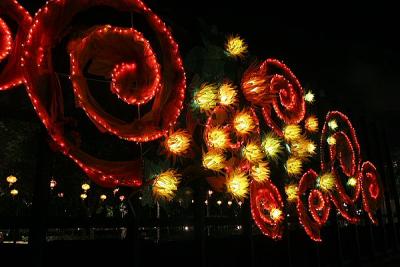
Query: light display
{"x": 240, "y": 150}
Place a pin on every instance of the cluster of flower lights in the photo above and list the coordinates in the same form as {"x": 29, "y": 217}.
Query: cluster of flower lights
{"x": 235, "y": 149}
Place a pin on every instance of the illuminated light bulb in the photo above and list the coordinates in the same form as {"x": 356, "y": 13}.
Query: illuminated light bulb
{"x": 14, "y": 192}
{"x": 178, "y": 143}
{"x": 244, "y": 123}
{"x": 235, "y": 46}
{"x": 331, "y": 140}
{"x": 332, "y": 124}
{"x": 252, "y": 152}
{"x": 214, "y": 160}
{"x": 60, "y": 195}
{"x": 326, "y": 182}
{"x": 219, "y": 202}
{"x": 53, "y": 183}
{"x": 309, "y": 97}
{"x": 292, "y": 132}
{"x": 218, "y": 138}
{"x": 206, "y": 202}
{"x": 292, "y": 192}
{"x": 352, "y": 182}
{"x": 260, "y": 172}
{"x": 272, "y": 146}
{"x": 237, "y": 184}
{"x": 206, "y": 98}
{"x": 227, "y": 94}
{"x": 229, "y": 203}
{"x": 122, "y": 198}
{"x": 311, "y": 124}
{"x": 103, "y": 197}
{"x": 294, "y": 166}
{"x": 85, "y": 187}
{"x": 165, "y": 184}
{"x": 11, "y": 179}
{"x": 210, "y": 192}
{"x": 186, "y": 228}
{"x": 83, "y": 196}
{"x": 275, "y": 214}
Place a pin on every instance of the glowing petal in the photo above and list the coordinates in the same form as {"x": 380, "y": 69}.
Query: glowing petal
{"x": 244, "y": 122}
{"x": 214, "y": 160}
{"x": 166, "y": 184}
{"x": 237, "y": 184}
{"x": 206, "y": 98}
{"x": 227, "y": 94}
{"x": 236, "y": 46}
{"x": 260, "y": 172}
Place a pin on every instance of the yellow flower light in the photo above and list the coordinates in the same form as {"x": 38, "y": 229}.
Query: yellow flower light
{"x": 236, "y": 46}
{"x": 244, "y": 122}
{"x": 309, "y": 97}
{"x": 260, "y": 172}
{"x": 275, "y": 214}
{"x": 206, "y": 98}
{"x": 332, "y": 124}
{"x": 166, "y": 184}
{"x": 227, "y": 94}
{"x": 294, "y": 166}
{"x": 252, "y": 152}
{"x": 326, "y": 182}
{"x": 352, "y": 182}
{"x": 214, "y": 160}
{"x": 85, "y": 187}
{"x": 83, "y": 196}
{"x": 218, "y": 138}
{"x": 237, "y": 184}
{"x": 292, "y": 132}
{"x": 103, "y": 197}
{"x": 331, "y": 140}
{"x": 178, "y": 143}
{"x": 311, "y": 124}
{"x": 303, "y": 147}
{"x": 292, "y": 192}
{"x": 272, "y": 146}
{"x": 14, "y": 192}
{"x": 11, "y": 179}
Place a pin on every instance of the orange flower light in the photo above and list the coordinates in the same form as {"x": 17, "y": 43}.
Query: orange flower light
{"x": 214, "y": 160}
{"x": 244, "y": 122}
{"x": 218, "y": 137}
{"x": 260, "y": 172}
{"x": 311, "y": 124}
{"x": 237, "y": 184}
{"x": 236, "y": 46}
{"x": 178, "y": 143}
{"x": 227, "y": 94}
{"x": 166, "y": 184}
{"x": 206, "y": 98}
{"x": 253, "y": 152}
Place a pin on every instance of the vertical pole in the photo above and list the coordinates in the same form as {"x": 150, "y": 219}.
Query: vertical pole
{"x": 37, "y": 231}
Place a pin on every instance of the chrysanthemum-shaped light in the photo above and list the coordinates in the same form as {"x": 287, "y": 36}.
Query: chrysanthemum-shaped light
{"x": 272, "y": 146}
{"x": 214, "y": 160}
{"x": 206, "y": 98}
{"x": 178, "y": 143}
{"x": 311, "y": 124}
{"x": 275, "y": 214}
{"x": 165, "y": 184}
{"x": 253, "y": 152}
{"x": 292, "y": 192}
{"x": 326, "y": 182}
{"x": 218, "y": 138}
{"x": 303, "y": 148}
{"x": 260, "y": 172}
{"x": 292, "y": 132}
{"x": 332, "y": 124}
{"x": 309, "y": 97}
{"x": 237, "y": 184}
{"x": 331, "y": 140}
{"x": 227, "y": 94}
{"x": 352, "y": 182}
{"x": 244, "y": 122}
{"x": 236, "y": 46}
{"x": 294, "y": 166}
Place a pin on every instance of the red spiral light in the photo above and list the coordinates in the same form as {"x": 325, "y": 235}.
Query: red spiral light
{"x": 371, "y": 189}
{"x": 12, "y": 50}
{"x": 318, "y": 206}
{"x": 264, "y": 199}
{"x": 129, "y": 58}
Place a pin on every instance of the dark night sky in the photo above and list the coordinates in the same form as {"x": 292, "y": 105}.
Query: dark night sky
{"x": 347, "y": 53}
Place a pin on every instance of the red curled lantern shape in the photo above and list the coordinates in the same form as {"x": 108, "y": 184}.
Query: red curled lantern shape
{"x": 127, "y": 57}
{"x": 371, "y": 189}
{"x": 264, "y": 198}
{"x": 11, "y": 74}
{"x": 342, "y": 158}
{"x": 318, "y": 206}
{"x": 274, "y": 87}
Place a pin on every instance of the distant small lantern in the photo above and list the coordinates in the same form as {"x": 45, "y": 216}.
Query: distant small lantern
{"x": 14, "y": 192}
{"x": 103, "y": 197}
{"x": 86, "y": 187}
{"x": 12, "y": 179}
{"x": 53, "y": 183}
{"x": 83, "y": 196}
